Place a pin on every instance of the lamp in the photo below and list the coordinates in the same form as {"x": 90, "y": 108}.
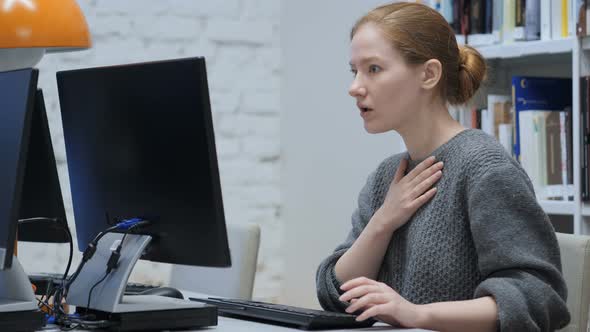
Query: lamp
{"x": 30, "y": 28}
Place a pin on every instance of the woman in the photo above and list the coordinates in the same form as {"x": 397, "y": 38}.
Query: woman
{"x": 464, "y": 248}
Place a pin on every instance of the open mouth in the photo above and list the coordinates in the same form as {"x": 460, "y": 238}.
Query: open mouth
{"x": 365, "y": 109}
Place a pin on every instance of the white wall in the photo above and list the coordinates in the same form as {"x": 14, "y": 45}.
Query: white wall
{"x": 278, "y": 74}
{"x": 326, "y": 153}
{"x": 240, "y": 40}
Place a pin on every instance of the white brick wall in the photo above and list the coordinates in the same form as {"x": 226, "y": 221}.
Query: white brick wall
{"x": 240, "y": 40}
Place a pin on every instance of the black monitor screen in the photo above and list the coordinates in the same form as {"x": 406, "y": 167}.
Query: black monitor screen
{"x": 17, "y": 95}
{"x": 41, "y": 192}
{"x": 139, "y": 143}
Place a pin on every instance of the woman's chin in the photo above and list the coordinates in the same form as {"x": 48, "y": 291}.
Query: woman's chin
{"x": 375, "y": 129}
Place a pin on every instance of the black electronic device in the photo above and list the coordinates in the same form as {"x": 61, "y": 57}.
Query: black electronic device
{"x": 18, "y": 307}
{"x": 17, "y": 96}
{"x": 140, "y": 144}
{"x": 22, "y": 321}
{"x": 42, "y": 212}
{"x": 167, "y": 320}
{"x": 303, "y": 318}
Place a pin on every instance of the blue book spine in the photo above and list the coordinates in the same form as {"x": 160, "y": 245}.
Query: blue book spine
{"x": 538, "y": 94}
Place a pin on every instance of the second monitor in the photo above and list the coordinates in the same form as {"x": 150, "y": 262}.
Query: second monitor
{"x": 140, "y": 144}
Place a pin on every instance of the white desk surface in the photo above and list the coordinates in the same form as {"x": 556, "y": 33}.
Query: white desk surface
{"x": 226, "y": 324}
{"x": 231, "y": 324}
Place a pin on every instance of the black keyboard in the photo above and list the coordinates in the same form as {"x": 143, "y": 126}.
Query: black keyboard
{"x": 307, "y": 319}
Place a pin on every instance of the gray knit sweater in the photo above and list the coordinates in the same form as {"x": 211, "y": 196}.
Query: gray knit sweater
{"x": 482, "y": 234}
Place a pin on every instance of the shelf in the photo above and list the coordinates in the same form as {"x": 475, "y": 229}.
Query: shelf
{"x": 527, "y": 48}
{"x": 559, "y": 207}
{"x": 586, "y": 43}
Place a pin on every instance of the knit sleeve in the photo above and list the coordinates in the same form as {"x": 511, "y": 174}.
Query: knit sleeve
{"x": 327, "y": 285}
{"x": 517, "y": 250}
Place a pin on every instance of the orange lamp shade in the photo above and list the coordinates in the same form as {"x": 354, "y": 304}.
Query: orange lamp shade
{"x": 51, "y": 24}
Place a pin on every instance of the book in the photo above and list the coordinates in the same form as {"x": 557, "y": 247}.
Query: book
{"x": 585, "y": 142}
{"x": 537, "y": 94}
{"x": 527, "y": 20}
{"x": 540, "y": 136}
{"x": 477, "y": 21}
{"x": 580, "y": 16}
{"x": 557, "y": 20}
{"x": 446, "y": 10}
{"x": 567, "y": 154}
{"x": 500, "y": 112}
{"x": 497, "y": 17}
{"x": 508, "y": 21}
{"x": 519, "y": 20}
{"x": 566, "y": 17}
{"x": 489, "y": 15}
{"x": 505, "y": 137}
{"x": 545, "y": 19}
{"x": 532, "y": 21}
{"x": 457, "y": 15}
{"x": 555, "y": 135}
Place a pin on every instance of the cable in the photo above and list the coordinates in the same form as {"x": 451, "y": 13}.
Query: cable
{"x": 48, "y": 290}
{"x": 71, "y": 241}
{"x": 45, "y": 304}
{"x": 64, "y": 226}
{"x": 73, "y": 322}
{"x": 112, "y": 262}
{"x": 87, "y": 255}
{"x": 60, "y": 292}
{"x": 126, "y": 225}
{"x": 51, "y": 290}
{"x": 92, "y": 289}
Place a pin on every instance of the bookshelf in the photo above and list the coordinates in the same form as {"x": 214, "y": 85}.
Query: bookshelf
{"x": 527, "y": 48}
{"x": 560, "y": 208}
{"x": 567, "y": 57}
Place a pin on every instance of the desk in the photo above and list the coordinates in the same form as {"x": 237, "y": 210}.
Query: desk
{"x": 231, "y": 324}
{"x": 226, "y": 324}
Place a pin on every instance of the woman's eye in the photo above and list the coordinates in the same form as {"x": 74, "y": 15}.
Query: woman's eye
{"x": 374, "y": 69}
{"x": 353, "y": 71}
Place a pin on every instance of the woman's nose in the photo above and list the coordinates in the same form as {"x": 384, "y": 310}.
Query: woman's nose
{"x": 356, "y": 89}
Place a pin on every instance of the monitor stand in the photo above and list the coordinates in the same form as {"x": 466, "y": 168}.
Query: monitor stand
{"x": 131, "y": 312}
{"x": 18, "y": 306}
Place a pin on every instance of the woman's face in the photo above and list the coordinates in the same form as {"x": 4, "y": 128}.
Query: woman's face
{"x": 386, "y": 89}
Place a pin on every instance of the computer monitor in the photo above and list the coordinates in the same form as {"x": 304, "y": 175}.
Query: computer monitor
{"x": 18, "y": 308}
{"x": 17, "y": 95}
{"x": 41, "y": 204}
{"x": 140, "y": 144}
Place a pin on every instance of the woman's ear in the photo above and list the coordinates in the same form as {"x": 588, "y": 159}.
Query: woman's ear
{"x": 432, "y": 72}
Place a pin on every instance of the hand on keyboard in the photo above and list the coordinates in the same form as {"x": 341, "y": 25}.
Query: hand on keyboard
{"x": 304, "y": 318}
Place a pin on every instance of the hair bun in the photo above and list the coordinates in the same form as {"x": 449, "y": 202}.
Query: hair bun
{"x": 472, "y": 72}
